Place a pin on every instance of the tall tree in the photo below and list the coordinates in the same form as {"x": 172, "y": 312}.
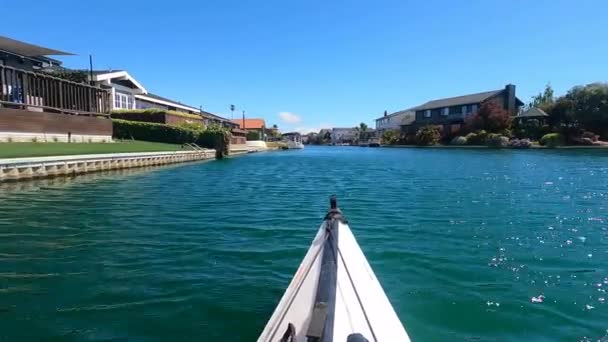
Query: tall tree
{"x": 490, "y": 117}
{"x": 543, "y": 100}
{"x": 362, "y": 131}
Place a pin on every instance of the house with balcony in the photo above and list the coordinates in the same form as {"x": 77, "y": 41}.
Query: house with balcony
{"x": 36, "y": 106}
{"x": 450, "y": 113}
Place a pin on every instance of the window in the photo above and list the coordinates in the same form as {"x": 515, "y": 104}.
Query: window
{"x": 455, "y": 110}
{"x": 473, "y": 108}
{"x": 123, "y": 101}
{"x": 435, "y": 112}
{"x": 445, "y": 111}
{"x": 427, "y": 113}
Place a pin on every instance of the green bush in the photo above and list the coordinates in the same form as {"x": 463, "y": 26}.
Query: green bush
{"x": 213, "y": 137}
{"x": 147, "y": 131}
{"x": 477, "y": 138}
{"x": 428, "y": 135}
{"x": 389, "y": 137}
{"x": 150, "y": 115}
{"x": 497, "y": 140}
{"x": 552, "y": 140}
{"x": 253, "y": 135}
{"x": 459, "y": 141}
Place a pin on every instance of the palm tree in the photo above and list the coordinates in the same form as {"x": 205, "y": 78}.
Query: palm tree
{"x": 362, "y": 131}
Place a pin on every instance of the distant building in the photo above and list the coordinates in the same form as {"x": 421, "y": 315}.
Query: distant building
{"x": 252, "y": 125}
{"x": 451, "y": 113}
{"x": 395, "y": 120}
{"x": 344, "y": 135}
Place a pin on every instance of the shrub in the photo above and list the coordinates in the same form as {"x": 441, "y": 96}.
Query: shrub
{"x": 9, "y": 139}
{"x": 389, "y": 137}
{"x": 194, "y": 126}
{"x": 253, "y": 135}
{"x": 590, "y": 135}
{"x": 428, "y": 135}
{"x": 497, "y": 140}
{"x": 152, "y": 132}
{"x": 477, "y": 138}
{"x": 552, "y": 140}
{"x": 150, "y": 115}
{"x": 212, "y": 137}
{"x": 55, "y": 139}
{"x": 34, "y": 139}
{"x": 491, "y": 117}
{"x": 520, "y": 143}
{"x": 459, "y": 141}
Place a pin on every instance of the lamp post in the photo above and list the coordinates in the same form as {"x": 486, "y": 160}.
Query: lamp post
{"x": 232, "y": 108}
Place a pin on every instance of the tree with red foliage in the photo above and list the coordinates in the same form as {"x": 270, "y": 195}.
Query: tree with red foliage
{"x": 490, "y": 117}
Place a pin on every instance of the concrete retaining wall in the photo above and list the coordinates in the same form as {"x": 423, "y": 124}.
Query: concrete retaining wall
{"x": 40, "y": 167}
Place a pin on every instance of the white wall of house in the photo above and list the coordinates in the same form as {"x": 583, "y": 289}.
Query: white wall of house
{"x": 394, "y": 121}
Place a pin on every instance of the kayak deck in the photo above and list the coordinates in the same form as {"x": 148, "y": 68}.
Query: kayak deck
{"x": 333, "y": 295}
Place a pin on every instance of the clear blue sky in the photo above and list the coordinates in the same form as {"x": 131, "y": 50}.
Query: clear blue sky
{"x": 333, "y": 63}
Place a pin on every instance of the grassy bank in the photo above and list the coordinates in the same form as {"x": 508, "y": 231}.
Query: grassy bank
{"x": 19, "y": 150}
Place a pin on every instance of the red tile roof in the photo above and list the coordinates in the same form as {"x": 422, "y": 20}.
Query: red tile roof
{"x": 250, "y": 123}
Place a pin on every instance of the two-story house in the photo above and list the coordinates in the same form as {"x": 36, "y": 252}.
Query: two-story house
{"x": 451, "y": 113}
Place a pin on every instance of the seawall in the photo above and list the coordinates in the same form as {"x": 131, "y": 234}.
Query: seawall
{"x": 42, "y": 167}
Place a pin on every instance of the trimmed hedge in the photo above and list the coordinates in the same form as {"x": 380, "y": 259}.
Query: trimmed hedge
{"x": 216, "y": 138}
{"x": 147, "y": 131}
{"x": 150, "y": 115}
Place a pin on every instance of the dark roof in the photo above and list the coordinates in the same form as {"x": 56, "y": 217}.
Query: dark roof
{"x": 459, "y": 100}
{"x": 533, "y": 113}
{"x": 26, "y": 49}
{"x": 399, "y": 112}
{"x": 158, "y": 97}
{"x": 203, "y": 113}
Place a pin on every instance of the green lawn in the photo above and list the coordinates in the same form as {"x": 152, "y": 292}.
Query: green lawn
{"x": 18, "y": 150}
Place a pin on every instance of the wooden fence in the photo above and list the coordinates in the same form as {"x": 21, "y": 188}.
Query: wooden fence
{"x": 33, "y": 91}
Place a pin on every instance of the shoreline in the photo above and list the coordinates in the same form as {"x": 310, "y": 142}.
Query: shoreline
{"x": 20, "y": 169}
{"x": 533, "y": 147}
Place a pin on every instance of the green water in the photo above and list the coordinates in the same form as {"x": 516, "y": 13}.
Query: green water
{"x": 460, "y": 239}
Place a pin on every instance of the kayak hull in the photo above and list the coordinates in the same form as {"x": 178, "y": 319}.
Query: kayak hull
{"x": 334, "y": 306}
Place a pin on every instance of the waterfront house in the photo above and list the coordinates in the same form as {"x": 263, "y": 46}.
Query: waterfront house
{"x": 394, "y": 121}
{"x": 344, "y": 136}
{"x": 256, "y": 128}
{"x": 35, "y": 106}
{"x": 127, "y": 93}
{"x": 450, "y": 113}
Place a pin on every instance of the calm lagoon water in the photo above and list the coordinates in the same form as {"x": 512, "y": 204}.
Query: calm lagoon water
{"x": 465, "y": 242}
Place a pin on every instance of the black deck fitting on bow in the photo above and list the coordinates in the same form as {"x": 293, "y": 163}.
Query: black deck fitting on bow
{"x": 334, "y": 212}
